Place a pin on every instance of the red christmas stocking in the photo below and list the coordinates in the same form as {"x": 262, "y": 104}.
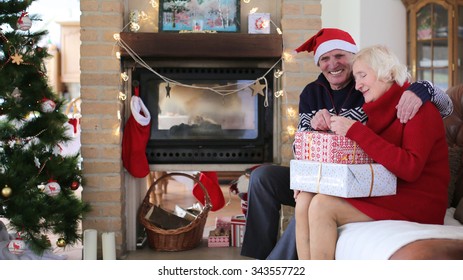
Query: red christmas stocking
{"x": 135, "y": 137}
{"x": 211, "y": 183}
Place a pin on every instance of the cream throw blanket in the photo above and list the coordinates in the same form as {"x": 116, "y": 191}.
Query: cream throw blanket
{"x": 379, "y": 240}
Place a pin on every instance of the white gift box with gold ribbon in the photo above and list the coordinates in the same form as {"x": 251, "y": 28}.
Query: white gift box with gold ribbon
{"x": 343, "y": 180}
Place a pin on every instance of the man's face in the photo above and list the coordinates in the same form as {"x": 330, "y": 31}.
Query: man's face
{"x": 336, "y": 66}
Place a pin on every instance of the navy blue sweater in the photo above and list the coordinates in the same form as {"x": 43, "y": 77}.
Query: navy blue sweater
{"x": 346, "y": 102}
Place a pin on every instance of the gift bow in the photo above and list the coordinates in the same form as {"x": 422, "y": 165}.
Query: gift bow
{"x": 346, "y": 157}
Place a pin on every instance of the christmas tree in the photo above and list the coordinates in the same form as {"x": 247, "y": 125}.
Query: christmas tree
{"x": 37, "y": 180}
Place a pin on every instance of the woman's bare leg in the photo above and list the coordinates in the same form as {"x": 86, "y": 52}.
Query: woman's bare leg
{"x": 326, "y": 214}
{"x": 302, "y": 225}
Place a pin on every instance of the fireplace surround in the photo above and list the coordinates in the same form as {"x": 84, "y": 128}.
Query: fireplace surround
{"x": 192, "y": 124}
{"x": 217, "y": 59}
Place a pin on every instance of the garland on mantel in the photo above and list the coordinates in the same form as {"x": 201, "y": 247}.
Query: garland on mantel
{"x": 256, "y": 85}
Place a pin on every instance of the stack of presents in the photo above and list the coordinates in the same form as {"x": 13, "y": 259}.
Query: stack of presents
{"x": 228, "y": 232}
{"x": 324, "y": 163}
{"x": 335, "y": 165}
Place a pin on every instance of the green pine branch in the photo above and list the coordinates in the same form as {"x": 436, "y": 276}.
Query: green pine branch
{"x": 30, "y": 139}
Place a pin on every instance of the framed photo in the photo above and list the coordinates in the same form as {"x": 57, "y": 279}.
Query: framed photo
{"x": 199, "y": 15}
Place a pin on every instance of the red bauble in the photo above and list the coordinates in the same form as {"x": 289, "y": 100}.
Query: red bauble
{"x": 74, "y": 185}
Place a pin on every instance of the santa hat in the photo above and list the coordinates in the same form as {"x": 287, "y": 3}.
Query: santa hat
{"x": 328, "y": 39}
{"x": 135, "y": 138}
{"x": 211, "y": 182}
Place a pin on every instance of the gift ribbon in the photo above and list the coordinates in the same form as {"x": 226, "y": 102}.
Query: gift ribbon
{"x": 372, "y": 180}
{"x": 346, "y": 157}
{"x": 371, "y": 184}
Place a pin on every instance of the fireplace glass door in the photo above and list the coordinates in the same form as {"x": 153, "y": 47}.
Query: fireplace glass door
{"x": 206, "y": 115}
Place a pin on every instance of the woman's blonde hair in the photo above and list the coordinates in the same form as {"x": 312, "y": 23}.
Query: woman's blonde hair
{"x": 384, "y": 62}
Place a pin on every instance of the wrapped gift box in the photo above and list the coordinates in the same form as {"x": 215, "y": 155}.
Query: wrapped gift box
{"x": 344, "y": 180}
{"x": 218, "y": 238}
{"x": 238, "y": 224}
{"x": 223, "y": 223}
{"x": 328, "y": 147}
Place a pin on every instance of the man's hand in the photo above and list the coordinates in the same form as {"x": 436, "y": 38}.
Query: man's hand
{"x": 340, "y": 125}
{"x": 408, "y": 106}
{"x": 321, "y": 120}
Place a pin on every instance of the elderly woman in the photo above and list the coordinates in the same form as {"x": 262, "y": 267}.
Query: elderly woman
{"x": 416, "y": 152}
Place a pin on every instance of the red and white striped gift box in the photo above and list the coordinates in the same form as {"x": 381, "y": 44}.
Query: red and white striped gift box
{"x": 238, "y": 224}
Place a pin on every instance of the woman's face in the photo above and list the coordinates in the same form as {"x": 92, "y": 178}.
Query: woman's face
{"x": 367, "y": 82}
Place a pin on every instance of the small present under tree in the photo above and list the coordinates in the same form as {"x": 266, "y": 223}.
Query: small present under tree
{"x": 37, "y": 182}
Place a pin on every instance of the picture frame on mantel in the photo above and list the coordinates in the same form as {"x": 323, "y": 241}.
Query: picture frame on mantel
{"x": 199, "y": 16}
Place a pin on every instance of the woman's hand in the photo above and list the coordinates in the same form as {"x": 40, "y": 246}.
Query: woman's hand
{"x": 340, "y": 125}
{"x": 321, "y": 120}
{"x": 408, "y": 106}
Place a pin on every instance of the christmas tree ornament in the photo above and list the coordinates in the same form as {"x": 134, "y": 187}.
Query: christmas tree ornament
{"x": 37, "y": 162}
{"x": 16, "y": 94}
{"x": 24, "y": 22}
{"x": 17, "y": 58}
{"x": 41, "y": 187}
{"x": 47, "y": 105}
{"x": 17, "y": 246}
{"x": 56, "y": 150}
{"x": 6, "y": 191}
{"x": 71, "y": 147}
{"x": 61, "y": 242}
{"x": 74, "y": 185}
{"x": 52, "y": 188}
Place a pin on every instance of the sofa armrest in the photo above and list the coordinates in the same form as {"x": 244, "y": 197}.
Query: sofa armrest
{"x": 431, "y": 249}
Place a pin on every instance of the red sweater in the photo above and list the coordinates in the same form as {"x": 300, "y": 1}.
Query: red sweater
{"x": 416, "y": 152}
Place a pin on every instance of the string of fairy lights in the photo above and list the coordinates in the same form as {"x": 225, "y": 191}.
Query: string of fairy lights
{"x": 222, "y": 90}
{"x": 257, "y": 86}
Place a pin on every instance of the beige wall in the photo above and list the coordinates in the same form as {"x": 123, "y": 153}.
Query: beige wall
{"x": 100, "y": 85}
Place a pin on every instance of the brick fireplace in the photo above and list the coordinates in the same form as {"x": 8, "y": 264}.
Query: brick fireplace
{"x": 106, "y": 186}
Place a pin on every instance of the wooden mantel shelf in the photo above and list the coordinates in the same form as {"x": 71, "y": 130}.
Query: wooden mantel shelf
{"x": 203, "y": 45}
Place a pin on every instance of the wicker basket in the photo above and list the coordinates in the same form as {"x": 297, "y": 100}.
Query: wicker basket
{"x": 180, "y": 239}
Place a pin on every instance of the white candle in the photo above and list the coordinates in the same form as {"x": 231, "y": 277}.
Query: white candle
{"x": 109, "y": 245}
{"x": 90, "y": 245}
